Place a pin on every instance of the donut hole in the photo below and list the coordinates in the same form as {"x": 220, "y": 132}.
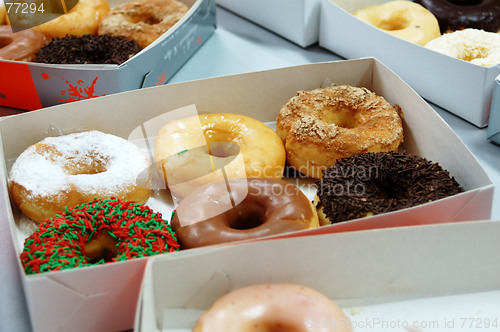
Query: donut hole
{"x": 341, "y": 118}
{"x": 102, "y": 247}
{"x": 147, "y": 19}
{"x": 5, "y": 41}
{"x": 246, "y": 215}
{"x": 96, "y": 166}
{"x": 397, "y": 20}
{"x": 223, "y": 149}
{"x": 471, "y": 53}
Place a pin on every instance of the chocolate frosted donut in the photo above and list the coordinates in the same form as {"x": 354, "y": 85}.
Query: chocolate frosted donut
{"x": 461, "y": 14}
{"x": 241, "y": 209}
{"x": 372, "y": 183}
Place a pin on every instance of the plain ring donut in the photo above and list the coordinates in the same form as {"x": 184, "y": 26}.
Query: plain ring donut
{"x": 252, "y": 208}
{"x": 189, "y": 151}
{"x": 274, "y": 307}
{"x": 72, "y": 169}
{"x": 403, "y": 19}
{"x": 323, "y": 125}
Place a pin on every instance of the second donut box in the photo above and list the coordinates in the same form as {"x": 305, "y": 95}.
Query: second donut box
{"x": 74, "y": 295}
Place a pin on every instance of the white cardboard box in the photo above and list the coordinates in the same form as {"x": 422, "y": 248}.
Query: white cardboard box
{"x": 494, "y": 123}
{"x": 259, "y": 94}
{"x": 458, "y": 86}
{"x": 295, "y": 20}
{"x": 398, "y": 279}
{"x": 29, "y": 85}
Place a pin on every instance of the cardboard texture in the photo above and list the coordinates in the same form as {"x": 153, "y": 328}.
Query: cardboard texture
{"x": 494, "y": 124}
{"x": 295, "y": 20}
{"x": 431, "y": 274}
{"x": 260, "y": 95}
{"x": 32, "y": 86}
{"x": 458, "y": 86}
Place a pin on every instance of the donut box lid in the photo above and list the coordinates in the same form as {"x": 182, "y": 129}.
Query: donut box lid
{"x": 460, "y": 87}
{"x": 494, "y": 122}
{"x": 29, "y": 86}
{"x": 439, "y": 276}
{"x": 295, "y": 20}
{"x": 255, "y": 94}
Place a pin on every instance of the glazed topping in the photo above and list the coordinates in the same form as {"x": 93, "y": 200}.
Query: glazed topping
{"x": 62, "y": 241}
{"x": 374, "y": 183}
{"x": 87, "y": 49}
{"x": 20, "y": 46}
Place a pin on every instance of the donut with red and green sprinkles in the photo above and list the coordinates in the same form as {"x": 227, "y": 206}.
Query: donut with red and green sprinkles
{"x": 97, "y": 232}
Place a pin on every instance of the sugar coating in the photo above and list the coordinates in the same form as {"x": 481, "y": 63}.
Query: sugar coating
{"x": 42, "y": 169}
{"x": 476, "y": 46}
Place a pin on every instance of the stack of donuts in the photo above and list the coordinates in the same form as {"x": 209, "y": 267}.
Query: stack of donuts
{"x": 231, "y": 176}
{"x": 464, "y": 29}
{"x": 91, "y": 32}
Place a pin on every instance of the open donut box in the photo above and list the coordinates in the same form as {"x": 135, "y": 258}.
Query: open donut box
{"x": 494, "y": 123}
{"x": 460, "y": 87}
{"x": 65, "y": 300}
{"x": 295, "y": 20}
{"x": 29, "y": 85}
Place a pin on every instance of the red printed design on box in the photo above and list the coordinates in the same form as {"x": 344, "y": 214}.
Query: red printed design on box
{"x": 16, "y": 86}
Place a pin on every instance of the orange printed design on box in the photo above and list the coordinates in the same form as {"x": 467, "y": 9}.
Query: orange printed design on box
{"x": 79, "y": 91}
{"x": 17, "y": 88}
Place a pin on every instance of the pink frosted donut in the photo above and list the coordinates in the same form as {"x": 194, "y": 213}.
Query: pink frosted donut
{"x": 273, "y": 307}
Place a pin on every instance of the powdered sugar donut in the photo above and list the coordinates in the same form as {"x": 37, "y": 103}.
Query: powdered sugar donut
{"x": 476, "y": 46}
{"x": 72, "y": 169}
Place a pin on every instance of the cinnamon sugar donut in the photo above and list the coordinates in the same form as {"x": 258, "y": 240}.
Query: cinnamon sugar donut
{"x": 321, "y": 126}
{"x": 72, "y": 169}
{"x": 143, "y": 20}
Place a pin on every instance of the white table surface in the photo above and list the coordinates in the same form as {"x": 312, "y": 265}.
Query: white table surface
{"x": 237, "y": 46}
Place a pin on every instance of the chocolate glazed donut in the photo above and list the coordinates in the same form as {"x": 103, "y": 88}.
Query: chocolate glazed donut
{"x": 241, "y": 209}
{"x": 461, "y": 14}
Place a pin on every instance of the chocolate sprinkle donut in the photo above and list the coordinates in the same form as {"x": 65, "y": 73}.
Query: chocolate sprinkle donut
{"x": 88, "y": 49}
{"x": 373, "y": 183}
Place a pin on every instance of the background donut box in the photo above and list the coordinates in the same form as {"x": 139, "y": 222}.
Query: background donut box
{"x": 494, "y": 124}
{"x": 65, "y": 300}
{"x": 461, "y": 88}
{"x": 458, "y": 86}
{"x": 434, "y": 278}
{"x": 295, "y": 20}
{"x": 32, "y": 86}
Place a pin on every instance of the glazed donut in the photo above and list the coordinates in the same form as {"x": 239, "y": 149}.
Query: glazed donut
{"x": 188, "y": 150}
{"x": 143, "y": 20}
{"x": 88, "y": 49}
{"x": 97, "y": 232}
{"x": 273, "y": 307}
{"x": 20, "y": 46}
{"x": 82, "y": 19}
{"x": 461, "y": 14}
{"x": 3, "y": 13}
{"x": 321, "y": 126}
{"x": 252, "y": 208}
{"x": 372, "y": 183}
{"x": 72, "y": 169}
{"x": 403, "y": 19}
{"x": 475, "y": 46}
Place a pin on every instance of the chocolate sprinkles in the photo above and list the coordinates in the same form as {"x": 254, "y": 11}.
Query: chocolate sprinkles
{"x": 373, "y": 183}
{"x": 88, "y": 49}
